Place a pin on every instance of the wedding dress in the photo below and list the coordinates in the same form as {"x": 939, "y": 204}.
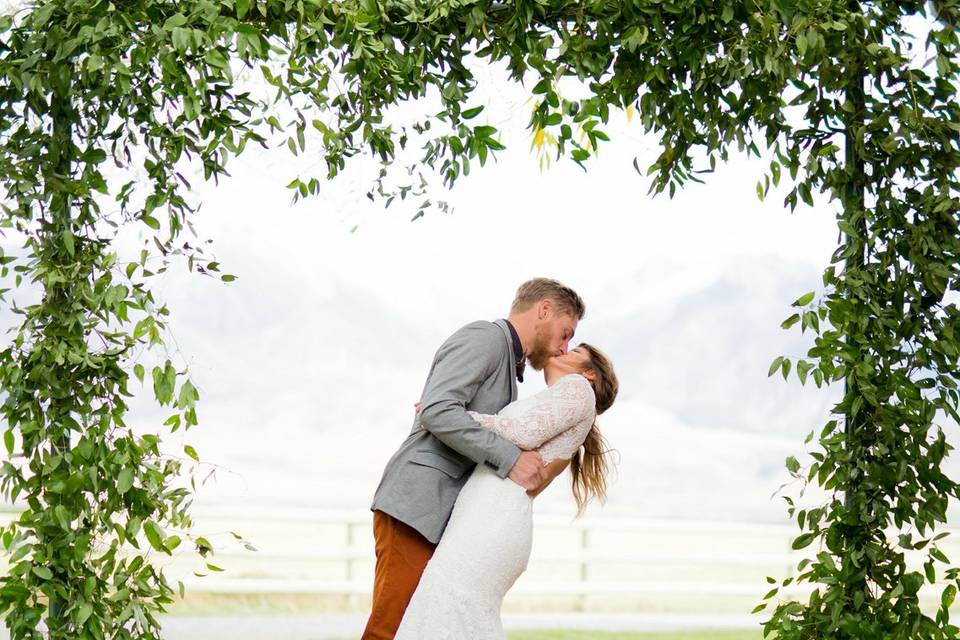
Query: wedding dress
{"x": 486, "y": 544}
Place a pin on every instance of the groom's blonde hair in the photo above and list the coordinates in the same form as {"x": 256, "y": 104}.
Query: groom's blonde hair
{"x": 567, "y": 300}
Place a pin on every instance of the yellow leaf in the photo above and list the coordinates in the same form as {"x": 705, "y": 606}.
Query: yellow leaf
{"x": 538, "y": 138}
{"x": 630, "y": 113}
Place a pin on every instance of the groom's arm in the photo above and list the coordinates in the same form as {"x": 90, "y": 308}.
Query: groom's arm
{"x": 465, "y": 360}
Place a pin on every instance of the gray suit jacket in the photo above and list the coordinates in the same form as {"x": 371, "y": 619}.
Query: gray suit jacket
{"x": 474, "y": 370}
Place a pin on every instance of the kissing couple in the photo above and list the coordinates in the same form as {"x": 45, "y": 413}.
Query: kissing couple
{"x": 452, "y": 516}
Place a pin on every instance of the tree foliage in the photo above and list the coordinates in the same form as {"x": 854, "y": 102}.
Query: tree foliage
{"x": 103, "y": 104}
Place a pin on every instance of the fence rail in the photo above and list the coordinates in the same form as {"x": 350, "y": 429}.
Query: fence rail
{"x": 327, "y": 552}
{"x": 721, "y": 551}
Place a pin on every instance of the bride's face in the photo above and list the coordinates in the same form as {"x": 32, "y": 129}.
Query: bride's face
{"x": 574, "y": 361}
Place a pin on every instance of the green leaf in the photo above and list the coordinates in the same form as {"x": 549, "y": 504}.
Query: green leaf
{"x": 67, "y": 238}
{"x": 188, "y": 395}
{"x": 62, "y": 516}
{"x": 190, "y": 451}
{"x": 243, "y": 6}
{"x": 203, "y": 546}
{"x": 804, "y": 299}
{"x": 42, "y": 14}
{"x": 775, "y": 365}
{"x": 471, "y": 113}
{"x": 154, "y": 536}
{"x": 635, "y": 37}
{"x": 8, "y": 440}
{"x": 124, "y": 480}
{"x": 215, "y": 58}
{"x": 94, "y": 156}
{"x": 21, "y": 552}
{"x": 42, "y": 572}
{"x": 803, "y": 541}
{"x": 789, "y": 322}
{"x": 83, "y": 613}
{"x": 792, "y": 465}
{"x": 174, "y": 21}
{"x": 948, "y": 596}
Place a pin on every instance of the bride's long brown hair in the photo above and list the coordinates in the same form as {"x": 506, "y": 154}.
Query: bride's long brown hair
{"x": 590, "y": 464}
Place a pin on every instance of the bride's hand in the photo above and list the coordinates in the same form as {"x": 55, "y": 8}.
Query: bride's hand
{"x": 553, "y": 469}
{"x": 528, "y": 471}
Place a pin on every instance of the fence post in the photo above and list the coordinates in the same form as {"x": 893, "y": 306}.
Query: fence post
{"x": 349, "y": 558}
{"x": 584, "y": 569}
{"x": 352, "y": 597}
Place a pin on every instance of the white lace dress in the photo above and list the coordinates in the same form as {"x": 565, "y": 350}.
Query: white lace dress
{"x": 486, "y": 544}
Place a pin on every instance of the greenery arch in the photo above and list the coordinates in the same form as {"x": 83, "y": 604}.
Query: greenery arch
{"x": 830, "y": 91}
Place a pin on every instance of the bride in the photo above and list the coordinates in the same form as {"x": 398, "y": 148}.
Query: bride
{"x": 486, "y": 544}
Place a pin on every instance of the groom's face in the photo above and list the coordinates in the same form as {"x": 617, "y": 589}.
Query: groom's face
{"x": 552, "y": 338}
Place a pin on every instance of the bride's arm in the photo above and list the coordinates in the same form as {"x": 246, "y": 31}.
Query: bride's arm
{"x": 544, "y": 415}
{"x": 554, "y": 469}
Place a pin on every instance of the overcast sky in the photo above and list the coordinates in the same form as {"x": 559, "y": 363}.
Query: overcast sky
{"x": 310, "y": 362}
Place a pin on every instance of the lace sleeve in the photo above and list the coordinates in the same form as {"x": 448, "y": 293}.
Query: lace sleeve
{"x": 541, "y": 418}
{"x": 564, "y": 445}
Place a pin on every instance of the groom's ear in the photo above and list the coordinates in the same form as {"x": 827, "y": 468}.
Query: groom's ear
{"x": 544, "y": 308}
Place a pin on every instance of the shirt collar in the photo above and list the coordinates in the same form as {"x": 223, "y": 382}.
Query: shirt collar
{"x": 518, "y": 351}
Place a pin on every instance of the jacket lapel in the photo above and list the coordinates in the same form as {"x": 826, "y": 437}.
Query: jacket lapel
{"x": 513, "y": 357}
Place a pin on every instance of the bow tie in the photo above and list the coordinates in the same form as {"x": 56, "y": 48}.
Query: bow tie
{"x": 520, "y": 367}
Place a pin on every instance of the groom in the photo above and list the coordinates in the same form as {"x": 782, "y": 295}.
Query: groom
{"x": 476, "y": 369}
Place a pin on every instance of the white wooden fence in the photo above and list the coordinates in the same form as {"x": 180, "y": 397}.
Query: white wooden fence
{"x": 306, "y": 551}
{"x": 725, "y": 558}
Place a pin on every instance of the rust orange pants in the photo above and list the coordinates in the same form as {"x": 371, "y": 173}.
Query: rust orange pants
{"x": 402, "y": 553}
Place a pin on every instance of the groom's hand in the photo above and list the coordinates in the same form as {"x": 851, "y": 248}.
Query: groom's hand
{"x": 528, "y": 471}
